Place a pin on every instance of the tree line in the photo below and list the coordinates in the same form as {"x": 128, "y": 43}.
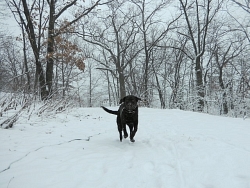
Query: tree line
{"x": 191, "y": 55}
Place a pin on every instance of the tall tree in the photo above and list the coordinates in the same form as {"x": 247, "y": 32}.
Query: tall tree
{"x": 34, "y": 17}
{"x": 52, "y": 32}
{"x": 148, "y": 21}
{"x": 35, "y": 43}
{"x": 198, "y": 17}
{"x": 115, "y": 38}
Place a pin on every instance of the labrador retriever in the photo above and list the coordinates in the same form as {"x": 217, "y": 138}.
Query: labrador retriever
{"x": 127, "y": 114}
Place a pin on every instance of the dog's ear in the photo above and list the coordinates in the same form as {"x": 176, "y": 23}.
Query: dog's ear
{"x": 122, "y": 100}
{"x": 138, "y": 99}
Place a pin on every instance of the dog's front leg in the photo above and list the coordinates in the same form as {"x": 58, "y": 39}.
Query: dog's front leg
{"x": 122, "y": 127}
{"x": 120, "y": 131}
{"x": 125, "y": 132}
{"x": 133, "y": 130}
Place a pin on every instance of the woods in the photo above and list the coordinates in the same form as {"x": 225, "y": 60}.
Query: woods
{"x": 190, "y": 55}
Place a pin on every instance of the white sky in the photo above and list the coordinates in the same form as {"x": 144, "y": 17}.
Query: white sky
{"x": 10, "y": 26}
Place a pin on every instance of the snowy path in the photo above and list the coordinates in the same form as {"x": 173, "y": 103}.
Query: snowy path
{"x": 80, "y": 149}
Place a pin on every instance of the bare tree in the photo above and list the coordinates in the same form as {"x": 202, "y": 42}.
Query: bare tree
{"x": 242, "y": 26}
{"x": 245, "y": 5}
{"x": 148, "y": 22}
{"x": 222, "y": 58}
{"x": 25, "y": 19}
{"x": 35, "y": 18}
{"x": 197, "y": 30}
{"x": 115, "y": 39}
{"x": 53, "y": 32}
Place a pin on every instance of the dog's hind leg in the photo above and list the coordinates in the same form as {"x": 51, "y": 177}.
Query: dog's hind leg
{"x": 119, "y": 126}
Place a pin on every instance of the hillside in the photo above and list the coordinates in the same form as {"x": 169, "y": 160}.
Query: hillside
{"x": 80, "y": 148}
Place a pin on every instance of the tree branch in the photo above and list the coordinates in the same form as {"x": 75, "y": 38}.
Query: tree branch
{"x": 65, "y": 8}
{"x": 86, "y": 11}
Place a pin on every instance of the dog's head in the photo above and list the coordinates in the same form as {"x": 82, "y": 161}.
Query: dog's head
{"x": 130, "y": 102}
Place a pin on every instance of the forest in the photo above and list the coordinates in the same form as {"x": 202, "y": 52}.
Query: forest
{"x": 177, "y": 54}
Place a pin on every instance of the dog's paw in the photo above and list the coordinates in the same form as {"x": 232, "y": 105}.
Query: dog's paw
{"x": 125, "y": 136}
{"x": 132, "y": 140}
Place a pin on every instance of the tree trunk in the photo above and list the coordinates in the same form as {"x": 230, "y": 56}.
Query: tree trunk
{"x": 32, "y": 39}
{"x": 25, "y": 60}
{"x": 199, "y": 84}
{"x": 50, "y": 47}
{"x": 90, "y": 86}
{"x": 122, "y": 85}
{"x": 109, "y": 87}
{"x": 224, "y": 95}
{"x": 163, "y": 106}
{"x": 146, "y": 97}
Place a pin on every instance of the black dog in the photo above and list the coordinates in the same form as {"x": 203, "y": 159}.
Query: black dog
{"x": 126, "y": 114}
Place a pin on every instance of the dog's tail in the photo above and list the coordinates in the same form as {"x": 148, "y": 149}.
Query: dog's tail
{"x": 110, "y": 111}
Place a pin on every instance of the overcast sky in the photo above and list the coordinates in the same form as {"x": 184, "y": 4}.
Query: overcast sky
{"x": 9, "y": 25}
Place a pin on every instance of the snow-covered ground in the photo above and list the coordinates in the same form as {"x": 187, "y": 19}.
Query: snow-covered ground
{"x": 80, "y": 149}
